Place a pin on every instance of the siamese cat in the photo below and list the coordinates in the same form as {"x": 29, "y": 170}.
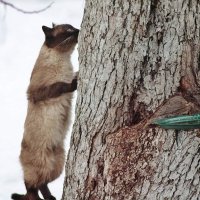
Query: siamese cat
{"x": 50, "y": 94}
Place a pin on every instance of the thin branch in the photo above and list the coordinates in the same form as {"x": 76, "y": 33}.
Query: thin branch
{"x": 24, "y": 11}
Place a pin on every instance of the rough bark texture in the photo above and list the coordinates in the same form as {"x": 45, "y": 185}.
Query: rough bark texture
{"x": 138, "y": 60}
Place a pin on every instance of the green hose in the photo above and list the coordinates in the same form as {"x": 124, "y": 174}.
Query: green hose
{"x": 183, "y": 122}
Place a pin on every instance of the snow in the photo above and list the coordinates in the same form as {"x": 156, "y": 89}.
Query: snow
{"x": 20, "y": 40}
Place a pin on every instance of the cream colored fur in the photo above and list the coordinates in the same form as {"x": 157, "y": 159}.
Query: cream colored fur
{"x": 42, "y": 153}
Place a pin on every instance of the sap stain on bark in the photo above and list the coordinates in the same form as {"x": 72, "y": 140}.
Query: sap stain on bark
{"x": 129, "y": 151}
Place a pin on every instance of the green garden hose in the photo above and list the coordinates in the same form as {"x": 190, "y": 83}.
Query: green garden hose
{"x": 183, "y": 122}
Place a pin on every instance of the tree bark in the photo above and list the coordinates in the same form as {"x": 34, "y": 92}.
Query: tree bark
{"x": 139, "y": 60}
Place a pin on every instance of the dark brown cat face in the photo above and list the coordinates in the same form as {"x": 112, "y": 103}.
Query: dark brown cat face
{"x": 62, "y": 37}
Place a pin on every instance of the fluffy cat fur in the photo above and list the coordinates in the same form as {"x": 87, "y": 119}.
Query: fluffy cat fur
{"x": 50, "y": 94}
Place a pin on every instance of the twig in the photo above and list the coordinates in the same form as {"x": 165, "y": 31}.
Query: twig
{"x": 24, "y": 11}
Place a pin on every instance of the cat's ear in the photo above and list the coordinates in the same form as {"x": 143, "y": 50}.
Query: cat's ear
{"x": 47, "y": 31}
{"x": 54, "y": 24}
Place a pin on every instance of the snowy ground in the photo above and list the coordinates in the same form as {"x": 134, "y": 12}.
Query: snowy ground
{"x": 20, "y": 40}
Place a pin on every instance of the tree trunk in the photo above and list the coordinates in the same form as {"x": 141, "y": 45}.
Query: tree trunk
{"x": 139, "y": 60}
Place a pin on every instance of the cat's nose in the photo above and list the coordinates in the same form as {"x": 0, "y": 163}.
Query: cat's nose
{"x": 76, "y": 30}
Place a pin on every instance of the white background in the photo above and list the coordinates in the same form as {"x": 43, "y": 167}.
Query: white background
{"x": 21, "y": 37}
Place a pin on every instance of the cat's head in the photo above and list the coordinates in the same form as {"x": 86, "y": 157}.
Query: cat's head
{"x": 61, "y": 37}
